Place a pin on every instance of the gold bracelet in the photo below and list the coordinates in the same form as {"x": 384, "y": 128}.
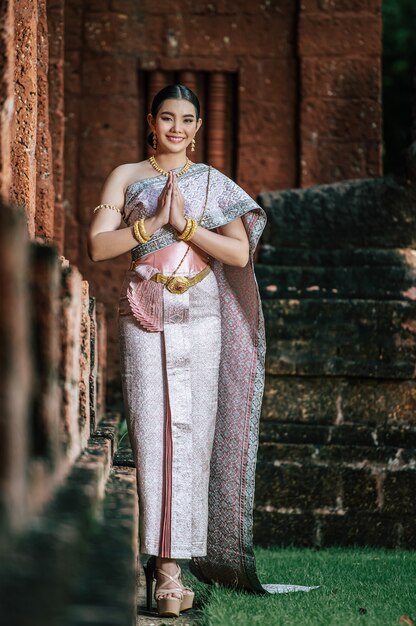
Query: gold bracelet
{"x": 191, "y": 233}
{"x": 186, "y": 230}
{"x": 107, "y": 206}
{"x": 137, "y": 234}
{"x": 142, "y": 229}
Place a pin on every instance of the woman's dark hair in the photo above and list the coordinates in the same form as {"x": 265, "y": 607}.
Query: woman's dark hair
{"x": 172, "y": 92}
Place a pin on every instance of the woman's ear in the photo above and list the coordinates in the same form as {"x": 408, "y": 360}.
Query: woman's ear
{"x": 150, "y": 121}
{"x": 198, "y": 125}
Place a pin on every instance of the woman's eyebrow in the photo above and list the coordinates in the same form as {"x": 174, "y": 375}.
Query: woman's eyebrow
{"x": 169, "y": 113}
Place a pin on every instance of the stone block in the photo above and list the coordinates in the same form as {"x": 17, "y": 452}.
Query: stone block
{"x": 341, "y": 6}
{"x": 334, "y": 35}
{"x": 293, "y": 487}
{"x": 367, "y": 283}
{"x": 46, "y": 313}
{"x": 109, "y": 75}
{"x": 227, "y": 35}
{"x": 112, "y": 118}
{"x": 16, "y": 370}
{"x": 358, "y": 529}
{"x": 93, "y": 363}
{"x": 338, "y": 400}
{"x": 326, "y": 161}
{"x": 70, "y": 364}
{"x": 334, "y": 119}
{"x": 336, "y": 77}
{"x": 399, "y": 490}
{"x": 335, "y": 337}
{"x": 350, "y": 214}
{"x": 85, "y": 366}
{"x": 337, "y": 257}
{"x": 98, "y": 158}
{"x": 271, "y": 528}
{"x": 359, "y": 490}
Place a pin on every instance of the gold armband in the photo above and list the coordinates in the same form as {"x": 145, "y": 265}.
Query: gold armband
{"x": 107, "y": 206}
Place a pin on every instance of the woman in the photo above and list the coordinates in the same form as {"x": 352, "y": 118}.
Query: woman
{"x": 192, "y": 352}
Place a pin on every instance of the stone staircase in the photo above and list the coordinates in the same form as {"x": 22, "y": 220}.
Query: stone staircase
{"x": 337, "y": 456}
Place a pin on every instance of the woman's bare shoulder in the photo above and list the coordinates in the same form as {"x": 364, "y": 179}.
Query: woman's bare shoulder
{"x": 128, "y": 173}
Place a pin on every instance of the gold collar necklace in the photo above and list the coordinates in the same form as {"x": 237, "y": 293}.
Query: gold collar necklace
{"x": 157, "y": 167}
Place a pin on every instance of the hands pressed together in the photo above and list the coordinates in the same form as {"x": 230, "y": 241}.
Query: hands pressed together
{"x": 171, "y": 204}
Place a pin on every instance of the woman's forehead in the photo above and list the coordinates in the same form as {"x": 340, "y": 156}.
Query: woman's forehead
{"x": 178, "y": 106}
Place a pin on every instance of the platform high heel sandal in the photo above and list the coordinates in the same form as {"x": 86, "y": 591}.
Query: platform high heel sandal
{"x": 166, "y": 606}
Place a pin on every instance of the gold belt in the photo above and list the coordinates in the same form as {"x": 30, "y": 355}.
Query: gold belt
{"x": 180, "y": 284}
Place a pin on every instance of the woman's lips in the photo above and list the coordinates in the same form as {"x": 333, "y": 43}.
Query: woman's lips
{"x": 176, "y": 139}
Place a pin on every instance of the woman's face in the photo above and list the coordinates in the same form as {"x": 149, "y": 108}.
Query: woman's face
{"x": 175, "y": 125}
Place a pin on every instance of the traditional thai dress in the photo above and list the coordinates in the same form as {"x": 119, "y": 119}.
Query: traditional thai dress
{"x": 192, "y": 367}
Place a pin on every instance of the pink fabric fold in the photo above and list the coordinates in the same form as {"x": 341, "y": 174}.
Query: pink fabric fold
{"x": 145, "y": 297}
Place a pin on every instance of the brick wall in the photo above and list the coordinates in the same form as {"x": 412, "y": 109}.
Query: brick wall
{"x": 307, "y": 82}
{"x": 53, "y": 329}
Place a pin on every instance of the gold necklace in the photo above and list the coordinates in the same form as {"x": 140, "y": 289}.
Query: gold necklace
{"x": 157, "y": 167}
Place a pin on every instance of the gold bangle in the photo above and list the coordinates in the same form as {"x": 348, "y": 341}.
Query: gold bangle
{"x": 191, "y": 233}
{"x": 137, "y": 234}
{"x": 142, "y": 229}
{"x": 107, "y": 206}
{"x": 186, "y": 230}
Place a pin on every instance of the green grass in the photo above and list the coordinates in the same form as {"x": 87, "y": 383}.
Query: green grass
{"x": 357, "y": 586}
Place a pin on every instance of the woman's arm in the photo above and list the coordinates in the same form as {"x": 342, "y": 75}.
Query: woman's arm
{"x": 106, "y": 239}
{"x": 229, "y": 245}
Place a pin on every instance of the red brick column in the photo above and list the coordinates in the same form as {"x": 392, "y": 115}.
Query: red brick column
{"x": 26, "y": 109}
{"x": 6, "y": 95}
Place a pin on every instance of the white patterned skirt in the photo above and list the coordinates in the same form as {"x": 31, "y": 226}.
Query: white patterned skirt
{"x": 170, "y": 390}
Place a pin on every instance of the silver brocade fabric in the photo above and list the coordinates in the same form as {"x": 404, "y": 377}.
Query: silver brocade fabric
{"x": 229, "y": 557}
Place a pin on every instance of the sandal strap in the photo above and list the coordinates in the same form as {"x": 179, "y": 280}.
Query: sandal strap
{"x": 159, "y": 591}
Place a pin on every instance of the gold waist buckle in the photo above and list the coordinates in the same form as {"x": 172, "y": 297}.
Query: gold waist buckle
{"x": 180, "y": 284}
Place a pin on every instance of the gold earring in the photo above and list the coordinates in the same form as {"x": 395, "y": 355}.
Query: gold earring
{"x": 193, "y": 144}
{"x": 154, "y": 140}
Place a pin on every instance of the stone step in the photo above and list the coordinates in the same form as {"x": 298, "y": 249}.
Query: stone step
{"x": 279, "y": 528}
{"x": 338, "y": 257}
{"x": 399, "y": 435}
{"x": 318, "y": 483}
{"x": 365, "y": 282}
{"x": 338, "y": 400}
{"x": 376, "y": 212}
{"x": 82, "y": 548}
{"x": 364, "y": 338}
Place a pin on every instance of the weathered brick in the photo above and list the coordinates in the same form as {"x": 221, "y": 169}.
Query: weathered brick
{"x": 356, "y": 6}
{"x": 355, "y": 338}
{"x": 399, "y": 490}
{"x": 360, "y": 529}
{"x": 341, "y": 78}
{"x": 356, "y": 213}
{"x": 369, "y": 283}
{"x": 333, "y": 119}
{"x": 287, "y": 486}
{"x": 359, "y": 489}
{"x": 108, "y": 75}
{"x": 271, "y": 528}
{"x": 331, "y": 35}
{"x": 106, "y": 119}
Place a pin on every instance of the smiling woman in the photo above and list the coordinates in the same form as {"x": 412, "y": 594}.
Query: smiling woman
{"x": 192, "y": 350}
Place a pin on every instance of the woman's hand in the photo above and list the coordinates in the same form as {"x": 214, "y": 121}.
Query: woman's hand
{"x": 164, "y": 202}
{"x": 177, "y": 205}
